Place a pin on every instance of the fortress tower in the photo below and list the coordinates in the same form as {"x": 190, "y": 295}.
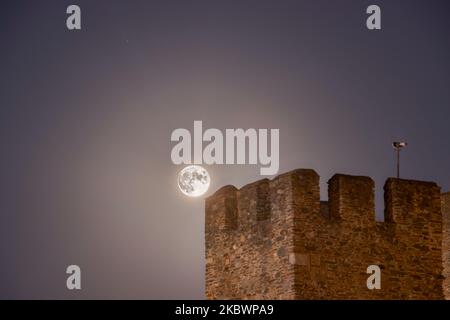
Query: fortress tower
{"x": 275, "y": 239}
{"x": 445, "y": 198}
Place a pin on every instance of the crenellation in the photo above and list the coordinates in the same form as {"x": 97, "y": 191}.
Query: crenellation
{"x": 222, "y": 209}
{"x": 409, "y": 201}
{"x": 351, "y": 198}
{"x": 258, "y": 196}
{"x": 275, "y": 239}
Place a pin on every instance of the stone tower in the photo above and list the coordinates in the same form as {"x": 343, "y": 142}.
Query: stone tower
{"x": 445, "y": 198}
{"x": 275, "y": 239}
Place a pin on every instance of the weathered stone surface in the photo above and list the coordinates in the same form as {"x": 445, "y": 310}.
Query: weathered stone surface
{"x": 275, "y": 239}
{"x": 299, "y": 259}
{"x": 445, "y": 198}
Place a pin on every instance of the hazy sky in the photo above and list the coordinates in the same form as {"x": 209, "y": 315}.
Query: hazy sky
{"x": 86, "y": 118}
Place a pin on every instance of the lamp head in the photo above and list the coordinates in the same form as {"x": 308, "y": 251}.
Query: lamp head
{"x": 399, "y": 144}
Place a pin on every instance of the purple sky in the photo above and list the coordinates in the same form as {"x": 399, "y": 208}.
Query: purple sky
{"x": 86, "y": 118}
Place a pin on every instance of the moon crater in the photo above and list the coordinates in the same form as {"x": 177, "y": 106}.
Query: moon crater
{"x": 194, "y": 181}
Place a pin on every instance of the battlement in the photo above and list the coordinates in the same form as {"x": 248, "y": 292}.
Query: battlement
{"x": 351, "y": 199}
{"x": 275, "y": 239}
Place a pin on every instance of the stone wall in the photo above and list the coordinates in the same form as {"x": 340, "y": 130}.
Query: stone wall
{"x": 275, "y": 239}
{"x": 445, "y": 197}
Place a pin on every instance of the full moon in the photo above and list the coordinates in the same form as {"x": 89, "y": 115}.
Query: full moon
{"x": 193, "y": 181}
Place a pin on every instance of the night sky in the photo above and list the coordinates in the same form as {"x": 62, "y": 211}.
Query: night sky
{"x": 86, "y": 118}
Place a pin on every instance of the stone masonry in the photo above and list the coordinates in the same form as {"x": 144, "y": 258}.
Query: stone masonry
{"x": 275, "y": 239}
{"x": 445, "y": 198}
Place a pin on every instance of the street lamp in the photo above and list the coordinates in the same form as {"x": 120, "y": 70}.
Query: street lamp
{"x": 398, "y": 146}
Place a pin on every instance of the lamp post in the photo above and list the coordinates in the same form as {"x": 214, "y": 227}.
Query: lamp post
{"x": 398, "y": 146}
